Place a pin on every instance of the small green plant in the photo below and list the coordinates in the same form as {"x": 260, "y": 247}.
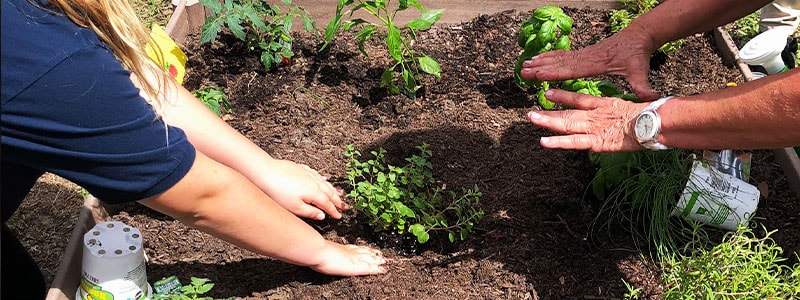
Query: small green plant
{"x": 632, "y": 9}
{"x": 262, "y": 26}
{"x": 632, "y": 293}
{"x": 639, "y": 191}
{"x": 546, "y": 30}
{"x": 214, "y": 99}
{"x": 405, "y": 198}
{"x": 192, "y": 291}
{"x": 742, "y": 266}
{"x": 399, "y": 39}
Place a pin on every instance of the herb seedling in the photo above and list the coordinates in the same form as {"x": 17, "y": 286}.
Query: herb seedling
{"x": 263, "y": 26}
{"x": 743, "y": 266}
{"x": 192, "y": 291}
{"x": 405, "y": 198}
{"x": 546, "y": 30}
{"x": 214, "y": 99}
{"x": 399, "y": 39}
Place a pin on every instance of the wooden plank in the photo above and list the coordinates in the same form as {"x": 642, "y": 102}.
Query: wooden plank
{"x": 456, "y": 11}
{"x": 67, "y": 278}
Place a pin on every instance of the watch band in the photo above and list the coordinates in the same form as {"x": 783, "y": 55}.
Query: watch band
{"x": 653, "y": 144}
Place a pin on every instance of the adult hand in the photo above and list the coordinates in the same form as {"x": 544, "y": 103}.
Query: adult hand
{"x": 302, "y": 190}
{"x": 626, "y": 53}
{"x": 349, "y": 260}
{"x": 596, "y": 124}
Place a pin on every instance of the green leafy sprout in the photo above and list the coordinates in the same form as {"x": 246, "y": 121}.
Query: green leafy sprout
{"x": 192, "y": 291}
{"x": 408, "y": 62}
{"x": 405, "y": 199}
{"x": 262, "y": 26}
{"x": 214, "y": 98}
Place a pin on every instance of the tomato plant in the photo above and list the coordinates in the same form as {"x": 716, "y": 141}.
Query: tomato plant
{"x": 263, "y": 26}
{"x": 399, "y": 39}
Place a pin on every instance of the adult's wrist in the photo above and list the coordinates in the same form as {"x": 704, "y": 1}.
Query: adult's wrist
{"x": 641, "y": 32}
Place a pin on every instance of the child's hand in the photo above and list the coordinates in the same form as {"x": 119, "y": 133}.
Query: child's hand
{"x": 302, "y": 190}
{"x": 350, "y": 260}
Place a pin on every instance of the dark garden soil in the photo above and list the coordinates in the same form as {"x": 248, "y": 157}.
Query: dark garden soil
{"x": 533, "y": 242}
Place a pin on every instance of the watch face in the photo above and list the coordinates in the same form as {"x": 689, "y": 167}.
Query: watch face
{"x": 644, "y": 126}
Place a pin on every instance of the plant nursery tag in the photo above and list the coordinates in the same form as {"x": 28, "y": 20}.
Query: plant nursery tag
{"x": 167, "y": 285}
{"x": 716, "y": 198}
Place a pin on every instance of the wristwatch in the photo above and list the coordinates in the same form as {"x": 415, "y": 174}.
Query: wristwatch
{"x": 648, "y": 125}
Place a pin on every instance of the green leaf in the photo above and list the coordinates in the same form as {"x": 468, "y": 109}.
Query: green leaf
{"x": 418, "y": 230}
{"x": 416, "y": 4}
{"x": 524, "y": 33}
{"x": 403, "y": 4}
{"x": 210, "y": 31}
{"x": 255, "y": 19}
{"x": 363, "y": 35}
{"x": 387, "y": 77}
{"x": 543, "y": 102}
{"x": 204, "y": 288}
{"x": 267, "y": 60}
{"x": 395, "y": 43}
{"x": 352, "y": 23}
{"x": 608, "y": 89}
{"x": 308, "y": 24}
{"x": 212, "y": 5}
{"x": 545, "y": 13}
{"x": 564, "y": 23}
{"x": 393, "y": 193}
{"x": 426, "y": 20}
{"x": 563, "y": 43}
{"x": 404, "y": 210}
{"x": 409, "y": 81}
{"x": 331, "y": 28}
{"x": 342, "y": 4}
{"x": 235, "y": 26}
{"x": 429, "y": 65}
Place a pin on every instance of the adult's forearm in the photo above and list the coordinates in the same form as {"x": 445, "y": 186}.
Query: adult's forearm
{"x": 675, "y": 19}
{"x": 762, "y": 114}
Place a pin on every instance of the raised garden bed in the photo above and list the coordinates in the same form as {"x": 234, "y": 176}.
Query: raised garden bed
{"x": 532, "y": 243}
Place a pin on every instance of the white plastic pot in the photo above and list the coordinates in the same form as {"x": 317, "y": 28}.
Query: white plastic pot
{"x": 113, "y": 263}
{"x": 765, "y": 50}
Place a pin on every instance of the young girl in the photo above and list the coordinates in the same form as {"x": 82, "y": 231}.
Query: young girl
{"x": 81, "y": 99}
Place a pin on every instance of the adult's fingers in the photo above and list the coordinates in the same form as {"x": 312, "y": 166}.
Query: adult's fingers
{"x": 552, "y": 65}
{"x": 640, "y": 85}
{"x": 566, "y": 122}
{"x": 572, "y": 99}
{"x": 574, "y": 142}
{"x": 561, "y": 65}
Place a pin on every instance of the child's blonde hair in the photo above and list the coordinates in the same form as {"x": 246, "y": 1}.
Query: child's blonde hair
{"x": 117, "y": 25}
